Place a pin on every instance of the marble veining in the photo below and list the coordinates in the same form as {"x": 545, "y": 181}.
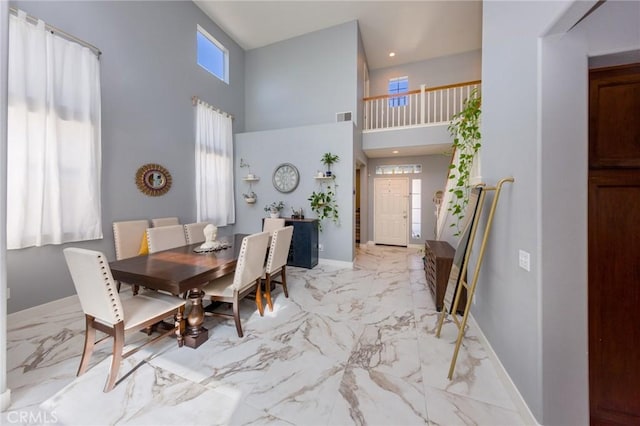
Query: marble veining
{"x": 348, "y": 347}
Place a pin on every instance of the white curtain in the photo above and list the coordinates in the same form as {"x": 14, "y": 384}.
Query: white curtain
{"x": 214, "y": 166}
{"x": 53, "y": 143}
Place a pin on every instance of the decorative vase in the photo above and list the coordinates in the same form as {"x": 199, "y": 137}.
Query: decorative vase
{"x": 250, "y": 200}
{"x": 274, "y": 215}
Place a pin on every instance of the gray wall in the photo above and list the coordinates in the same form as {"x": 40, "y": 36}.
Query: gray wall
{"x": 302, "y": 81}
{"x": 406, "y": 138}
{"x": 434, "y": 176}
{"x": 537, "y": 321}
{"x": 431, "y": 72}
{"x": 303, "y": 147}
{"x": 4, "y": 42}
{"x": 149, "y": 73}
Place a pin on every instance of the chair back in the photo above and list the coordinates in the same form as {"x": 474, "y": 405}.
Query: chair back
{"x": 164, "y": 221}
{"x": 165, "y": 238}
{"x": 271, "y": 224}
{"x": 94, "y": 284}
{"x": 194, "y": 232}
{"x": 250, "y": 265}
{"x": 127, "y": 237}
{"x": 279, "y": 251}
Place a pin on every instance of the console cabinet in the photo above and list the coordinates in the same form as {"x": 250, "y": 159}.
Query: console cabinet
{"x": 438, "y": 258}
{"x": 304, "y": 244}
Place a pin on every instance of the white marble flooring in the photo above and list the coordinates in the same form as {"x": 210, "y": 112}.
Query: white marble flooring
{"x": 349, "y": 346}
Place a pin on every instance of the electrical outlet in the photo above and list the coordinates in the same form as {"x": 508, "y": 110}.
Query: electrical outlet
{"x": 320, "y": 247}
{"x": 524, "y": 260}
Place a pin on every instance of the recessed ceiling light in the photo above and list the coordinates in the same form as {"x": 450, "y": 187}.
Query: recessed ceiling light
{"x": 392, "y": 54}
{"x": 395, "y": 152}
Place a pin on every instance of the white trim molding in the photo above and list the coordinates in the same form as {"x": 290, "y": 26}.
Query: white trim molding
{"x": 512, "y": 390}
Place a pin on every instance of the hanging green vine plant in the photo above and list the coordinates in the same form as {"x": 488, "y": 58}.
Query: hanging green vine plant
{"x": 465, "y": 129}
{"x": 324, "y": 205}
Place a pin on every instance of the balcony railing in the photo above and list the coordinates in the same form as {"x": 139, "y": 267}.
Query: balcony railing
{"x": 427, "y": 106}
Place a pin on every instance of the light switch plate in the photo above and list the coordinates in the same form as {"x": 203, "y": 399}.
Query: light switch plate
{"x": 524, "y": 260}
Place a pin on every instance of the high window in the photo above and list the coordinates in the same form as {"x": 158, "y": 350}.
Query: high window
{"x": 212, "y": 55}
{"x": 396, "y": 86}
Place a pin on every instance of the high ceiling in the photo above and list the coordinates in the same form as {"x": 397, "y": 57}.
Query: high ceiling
{"x": 414, "y": 30}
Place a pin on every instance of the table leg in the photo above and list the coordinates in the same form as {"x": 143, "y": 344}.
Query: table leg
{"x": 196, "y": 334}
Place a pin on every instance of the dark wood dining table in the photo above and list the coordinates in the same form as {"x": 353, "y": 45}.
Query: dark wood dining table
{"x": 178, "y": 271}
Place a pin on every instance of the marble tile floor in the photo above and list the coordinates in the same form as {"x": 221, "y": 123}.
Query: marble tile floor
{"x": 349, "y": 346}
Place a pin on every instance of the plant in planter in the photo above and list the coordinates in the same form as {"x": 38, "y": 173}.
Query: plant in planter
{"x": 250, "y": 198}
{"x": 465, "y": 129}
{"x": 328, "y": 159}
{"x": 274, "y": 208}
{"x": 323, "y": 204}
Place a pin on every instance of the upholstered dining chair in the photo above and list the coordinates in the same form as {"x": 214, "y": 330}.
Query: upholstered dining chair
{"x": 277, "y": 262}
{"x": 164, "y": 221}
{"x": 165, "y": 237}
{"x": 106, "y": 312}
{"x": 194, "y": 232}
{"x": 270, "y": 224}
{"x": 127, "y": 238}
{"x": 231, "y": 288}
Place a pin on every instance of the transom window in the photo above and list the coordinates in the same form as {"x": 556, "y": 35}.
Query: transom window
{"x": 398, "y": 169}
{"x": 212, "y": 55}
{"x": 396, "y": 86}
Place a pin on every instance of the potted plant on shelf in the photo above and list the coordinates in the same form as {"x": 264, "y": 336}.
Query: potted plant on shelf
{"x": 250, "y": 198}
{"x": 274, "y": 208}
{"x": 328, "y": 159}
{"x": 323, "y": 204}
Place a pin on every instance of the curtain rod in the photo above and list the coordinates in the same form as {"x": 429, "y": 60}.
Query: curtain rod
{"x": 195, "y": 100}
{"x": 58, "y": 31}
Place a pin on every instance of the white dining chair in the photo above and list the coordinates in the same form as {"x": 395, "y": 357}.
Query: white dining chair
{"x": 231, "y": 288}
{"x": 270, "y": 224}
{"x": 106, "y": 312}
{"x": 194, "y": 232}
{"x": 277, "y": 262}
{"x": 164, "y": 221}
{"x": 128, "y": 237}
{"x": 165, "y": 238}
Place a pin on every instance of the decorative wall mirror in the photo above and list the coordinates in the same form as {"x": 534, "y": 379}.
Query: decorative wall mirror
{"x": 153, "y": 180}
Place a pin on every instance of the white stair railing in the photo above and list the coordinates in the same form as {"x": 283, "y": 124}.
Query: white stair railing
{"x": 423, "y": 107}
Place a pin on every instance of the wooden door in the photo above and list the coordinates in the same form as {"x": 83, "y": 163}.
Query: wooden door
{"x": 390, "y": 211}
{"x": 614, "y": 245}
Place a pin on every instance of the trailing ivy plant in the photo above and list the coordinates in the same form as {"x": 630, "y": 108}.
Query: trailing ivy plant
{"x": 324, "y": 205}
{"x": 465, "y": 129}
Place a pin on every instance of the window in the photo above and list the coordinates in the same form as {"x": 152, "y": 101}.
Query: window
{"x": 54, "y": 139}
{"x": 396, "y": 86}
{"x": 416, "y": 211}
{"x": 398, "y": 169}
{"x": 212, "y": 55}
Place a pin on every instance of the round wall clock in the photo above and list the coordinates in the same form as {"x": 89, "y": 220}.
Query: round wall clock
{"x": 286, "y": 177}
{"x": 153, "y": 179}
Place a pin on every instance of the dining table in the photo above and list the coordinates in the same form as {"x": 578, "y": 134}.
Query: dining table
{"x": 181, "y": 270}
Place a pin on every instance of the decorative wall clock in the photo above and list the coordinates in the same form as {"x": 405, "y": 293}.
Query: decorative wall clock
{"x": 153, "y": 180}
{"x": 286, "y": 177}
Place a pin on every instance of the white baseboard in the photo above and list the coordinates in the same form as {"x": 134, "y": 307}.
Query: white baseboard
{"x": 5, "y": 400}
{"x": 516, "y": 397}
{"x": 33, "y": 312}
{"x": 338, "y": 263}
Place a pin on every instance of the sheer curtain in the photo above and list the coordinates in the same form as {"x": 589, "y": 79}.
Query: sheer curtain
{"x": 214, "y": 166}
{"x": 53, "y": 143}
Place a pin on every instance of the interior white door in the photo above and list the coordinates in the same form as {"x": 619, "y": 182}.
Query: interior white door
{"x": 390, "y": 211}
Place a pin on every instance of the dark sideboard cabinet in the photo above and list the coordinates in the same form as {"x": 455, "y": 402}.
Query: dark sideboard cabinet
{"x": 304, "y": 245}
{"x": 438, "y": 258}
